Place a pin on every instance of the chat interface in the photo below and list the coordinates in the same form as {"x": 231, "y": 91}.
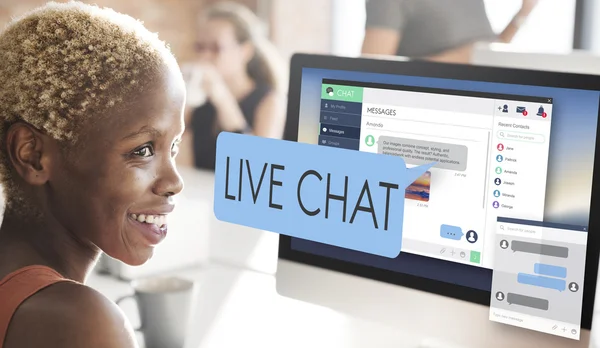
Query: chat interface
{"x": 491, "y": 152}
{"x": 537, "y": 281}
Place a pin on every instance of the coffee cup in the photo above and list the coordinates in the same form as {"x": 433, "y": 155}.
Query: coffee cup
{"x": 164, "y": 307}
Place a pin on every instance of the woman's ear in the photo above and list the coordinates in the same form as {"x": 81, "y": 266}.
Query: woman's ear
{"x": 27, "y": 150}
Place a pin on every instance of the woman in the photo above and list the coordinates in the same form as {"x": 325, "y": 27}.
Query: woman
{"x": 91, "y": 110}
{"x": 241, "y": 76}
{"x": 431, "y": 29}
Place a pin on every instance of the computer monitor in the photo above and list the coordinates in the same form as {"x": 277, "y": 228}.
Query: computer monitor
{"x": 507, "y": 56}
{"x": 507, "y": 208}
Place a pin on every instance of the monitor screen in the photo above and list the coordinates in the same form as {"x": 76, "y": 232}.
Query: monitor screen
{"x": 502, "y": 151}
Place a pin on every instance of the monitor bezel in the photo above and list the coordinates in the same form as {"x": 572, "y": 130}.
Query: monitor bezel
{"x": 447, "y": 71}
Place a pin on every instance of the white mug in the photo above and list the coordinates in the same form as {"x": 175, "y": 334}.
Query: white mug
{"x": 192, "y": 75}
{"x": 164, "y": 306}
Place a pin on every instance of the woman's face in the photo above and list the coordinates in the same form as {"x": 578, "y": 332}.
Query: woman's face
{"x": 218, "y": 45}
{"x": 124, "y": 169}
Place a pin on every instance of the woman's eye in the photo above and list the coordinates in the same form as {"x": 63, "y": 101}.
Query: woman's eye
{"x": 145, "y": 151}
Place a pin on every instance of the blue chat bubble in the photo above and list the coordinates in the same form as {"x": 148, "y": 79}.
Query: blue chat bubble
{"x": 451, "y": 232}
{"x": 543, "y": 282}
{"x": 344, "y": 198}
{"x": 550, "y": 270}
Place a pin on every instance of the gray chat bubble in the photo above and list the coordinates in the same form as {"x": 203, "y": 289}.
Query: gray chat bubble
{"x": 527, "y": 301}
{"x": 541, "y": 249}
{"x": 418, "y": 152}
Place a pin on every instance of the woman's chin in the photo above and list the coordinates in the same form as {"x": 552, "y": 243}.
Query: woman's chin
{"x": 138, "y": 258}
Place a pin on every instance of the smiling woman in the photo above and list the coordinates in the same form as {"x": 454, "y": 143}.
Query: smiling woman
{"x": 91, "y": 114}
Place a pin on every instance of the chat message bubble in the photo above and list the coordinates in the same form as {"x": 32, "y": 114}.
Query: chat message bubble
{"x": 550, "y": 270}
{"x": 527, "y": 301}
{"x": 418, "y": 152}
{"x": 451, "y": 232}
{"x": 541, "y": 249}
{"x": 340, "y": 197}
{"x": 542, "y": 282}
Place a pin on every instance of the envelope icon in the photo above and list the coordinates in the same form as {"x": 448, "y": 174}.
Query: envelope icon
{"x": 521, "y": 109}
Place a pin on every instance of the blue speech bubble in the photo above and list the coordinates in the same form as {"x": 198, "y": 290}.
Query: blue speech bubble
{"x": 345, "y": 198}
{"x": 451, "y": 232}
{"x": 543, "y": 282}
{"x": 550, "y": 270}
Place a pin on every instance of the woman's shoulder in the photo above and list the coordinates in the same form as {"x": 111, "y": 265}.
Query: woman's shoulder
{"x": 69, "y": 314}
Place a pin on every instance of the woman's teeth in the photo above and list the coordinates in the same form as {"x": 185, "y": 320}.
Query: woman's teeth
{"x": 158, "y": 220}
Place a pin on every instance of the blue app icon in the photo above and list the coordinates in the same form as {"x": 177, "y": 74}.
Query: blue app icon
{"x": 499, "y": 158}
{"x": 496, "y": 193}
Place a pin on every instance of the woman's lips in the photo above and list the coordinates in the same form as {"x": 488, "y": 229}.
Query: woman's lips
{"x": 152, "y": 227}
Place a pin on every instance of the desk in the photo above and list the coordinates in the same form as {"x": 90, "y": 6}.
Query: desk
{"x": 237, "y": 308}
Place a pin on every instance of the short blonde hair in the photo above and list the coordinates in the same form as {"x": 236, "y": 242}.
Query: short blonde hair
{"x": 65, "y": 64}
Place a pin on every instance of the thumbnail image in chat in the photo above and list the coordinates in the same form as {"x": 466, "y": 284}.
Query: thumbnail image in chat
{"x": 420, "y": 189}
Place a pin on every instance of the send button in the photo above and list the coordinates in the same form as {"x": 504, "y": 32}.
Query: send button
{"x": 451, "y": 232}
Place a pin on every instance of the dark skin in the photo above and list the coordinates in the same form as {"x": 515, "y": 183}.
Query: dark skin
{"x": 126, "y": 167}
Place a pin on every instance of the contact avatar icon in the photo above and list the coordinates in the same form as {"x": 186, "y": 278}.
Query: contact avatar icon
{"x": 329, "y": 91}
{"x": 504, "y": 244}
{"x": 499, "y": 296}
{"x": 472, "y": 237}
{"x": 370, "y": 140}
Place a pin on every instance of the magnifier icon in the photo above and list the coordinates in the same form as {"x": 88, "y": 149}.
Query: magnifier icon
{"x": 502, "y": 227}
{"x": 502, "y": 134}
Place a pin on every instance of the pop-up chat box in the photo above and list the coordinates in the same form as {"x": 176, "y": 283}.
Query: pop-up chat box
{"x": 419, "y": 152}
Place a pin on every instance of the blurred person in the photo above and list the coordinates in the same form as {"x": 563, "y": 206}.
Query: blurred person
{"x": 432, "y": 29}
{"x": 241, "y": 76}
{"x": 91, "y": 113}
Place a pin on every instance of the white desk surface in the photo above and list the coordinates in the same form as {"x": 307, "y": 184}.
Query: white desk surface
{"x": 237, "y": 307}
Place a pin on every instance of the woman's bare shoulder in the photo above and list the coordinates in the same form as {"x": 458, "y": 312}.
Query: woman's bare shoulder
{"x": 69, "y": 315}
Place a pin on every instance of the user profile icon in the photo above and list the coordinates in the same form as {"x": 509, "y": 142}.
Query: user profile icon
{"x": 498, "y": 170}
{"x": 497, "y": 181}
{"x": 472, "y": 237}
{"x": 370, "y": 140}
{"x": 500, "y": 296}
{"x": 496, "y": 193}
{"x": 573, "y": 287}
{"x": 496, "y": 205}
{"x": 499, "y": 158}
{"x": 500, "y": 147}
{"x": 504, "y": 244}
{"x": 329, "y": 91}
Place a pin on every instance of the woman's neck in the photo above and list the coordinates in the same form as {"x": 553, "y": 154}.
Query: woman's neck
{"x": 43, "y": 241}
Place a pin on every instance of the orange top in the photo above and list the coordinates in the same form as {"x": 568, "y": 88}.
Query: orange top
{"x": 18, "y": 286}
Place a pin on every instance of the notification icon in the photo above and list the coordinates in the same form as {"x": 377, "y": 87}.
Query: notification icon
{"x": 500, "y": 147}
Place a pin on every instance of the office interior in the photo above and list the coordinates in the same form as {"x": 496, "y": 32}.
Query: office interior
{"x": 235, "y": 268}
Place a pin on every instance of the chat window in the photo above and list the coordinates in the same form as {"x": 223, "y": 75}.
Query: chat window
{"x": 491, "y": 155}
{"x": 538, "y": 276}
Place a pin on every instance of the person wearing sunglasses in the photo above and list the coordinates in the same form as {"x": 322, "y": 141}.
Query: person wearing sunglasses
{"x": 242, "y": 78}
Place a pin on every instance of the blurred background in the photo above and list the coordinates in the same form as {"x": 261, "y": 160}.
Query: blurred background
{"x": 563, "y": 34}
{"x": 337, "y": 26}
